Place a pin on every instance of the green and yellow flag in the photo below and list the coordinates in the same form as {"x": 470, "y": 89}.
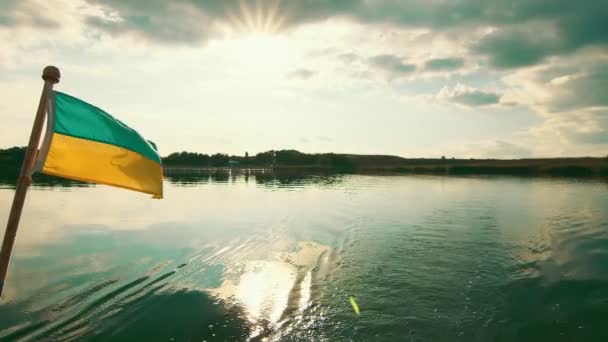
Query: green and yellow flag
{"x": 85, "y": 143}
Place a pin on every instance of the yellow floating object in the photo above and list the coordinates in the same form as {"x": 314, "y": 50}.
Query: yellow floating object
{"x": 353, "y": 303}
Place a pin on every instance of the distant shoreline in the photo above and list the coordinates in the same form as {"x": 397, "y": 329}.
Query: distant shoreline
{"x": 295, "y": 162}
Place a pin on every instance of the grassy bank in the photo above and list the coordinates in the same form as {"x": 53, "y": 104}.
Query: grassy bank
{"x": 578, "y": 167}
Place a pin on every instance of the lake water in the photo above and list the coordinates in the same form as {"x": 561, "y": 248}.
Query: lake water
{"x": 236, "y": 258}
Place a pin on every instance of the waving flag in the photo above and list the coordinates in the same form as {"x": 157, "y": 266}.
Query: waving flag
{"x": 85, "y": 143}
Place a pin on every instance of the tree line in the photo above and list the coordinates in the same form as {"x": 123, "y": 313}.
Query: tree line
{"x": 263, "y": 159}
{"x": 11, "y": 158}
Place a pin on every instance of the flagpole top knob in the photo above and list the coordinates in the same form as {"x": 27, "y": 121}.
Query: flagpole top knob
{"x": 51, "y": 74}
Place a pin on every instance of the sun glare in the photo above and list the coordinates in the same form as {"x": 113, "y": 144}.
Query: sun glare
{"x": 260, "y": 50}
{"x": 254, "y": 38}
{"x": 258, "y": 16}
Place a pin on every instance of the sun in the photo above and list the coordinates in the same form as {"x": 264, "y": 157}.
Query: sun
{"x": 255, "y": 37}
{"x": 257, "y": 16}
{"x": 260, "y": 51}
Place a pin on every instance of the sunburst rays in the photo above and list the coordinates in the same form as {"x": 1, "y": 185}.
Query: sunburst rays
{"x": 255, "y": 37}
{"x": 266, "y": 16}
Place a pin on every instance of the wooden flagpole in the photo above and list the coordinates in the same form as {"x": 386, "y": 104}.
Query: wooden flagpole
{"x": 50, "y": 75}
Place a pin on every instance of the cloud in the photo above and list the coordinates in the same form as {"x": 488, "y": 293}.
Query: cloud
{"x": 444, "y": 64}
{"x": 572, "y": 133}
{"x": 569, "y": 95}
{"x": 520, "y": 32}
{"x": 559, "y": 29}
{"x": 301, "y": 74}
{"x": 584, "y": 89}
{"x": 518, "y": 47}
{"x": 195, "y": 21}
{"x": 348, "y": 57}
{"x": 468, "y": 96}
{"x": 179, "y": 24}
{"x": 600, "y": 138}
{"x": 15, "y": 13}
{"x": 392, "y": 65}
{"x": 571, "y": 24}
{"x": 505, "y": 148}
{"x": 565, "y": 135}
{"x": 476, "y": 98}
{"x": 498, "y": 148}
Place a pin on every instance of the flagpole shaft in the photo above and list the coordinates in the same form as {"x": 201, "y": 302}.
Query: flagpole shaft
{"x": 50, "y": 75}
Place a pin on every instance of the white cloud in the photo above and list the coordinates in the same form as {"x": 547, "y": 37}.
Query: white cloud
{"x": 569, "y": 94}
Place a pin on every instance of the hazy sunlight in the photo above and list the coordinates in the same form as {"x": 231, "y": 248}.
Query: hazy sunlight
{"x": 258, "y": 51}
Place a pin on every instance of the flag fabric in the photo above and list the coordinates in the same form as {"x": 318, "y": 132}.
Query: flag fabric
{"x": 85, "y": 143}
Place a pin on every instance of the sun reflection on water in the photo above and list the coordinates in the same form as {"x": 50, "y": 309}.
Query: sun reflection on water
{"x": 267, "y": 289}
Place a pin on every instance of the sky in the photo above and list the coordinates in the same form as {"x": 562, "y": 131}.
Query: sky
{"x": 418, "y": 78}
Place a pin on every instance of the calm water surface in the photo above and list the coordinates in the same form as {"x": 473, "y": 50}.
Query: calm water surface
{"x": 235, "y": 258}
